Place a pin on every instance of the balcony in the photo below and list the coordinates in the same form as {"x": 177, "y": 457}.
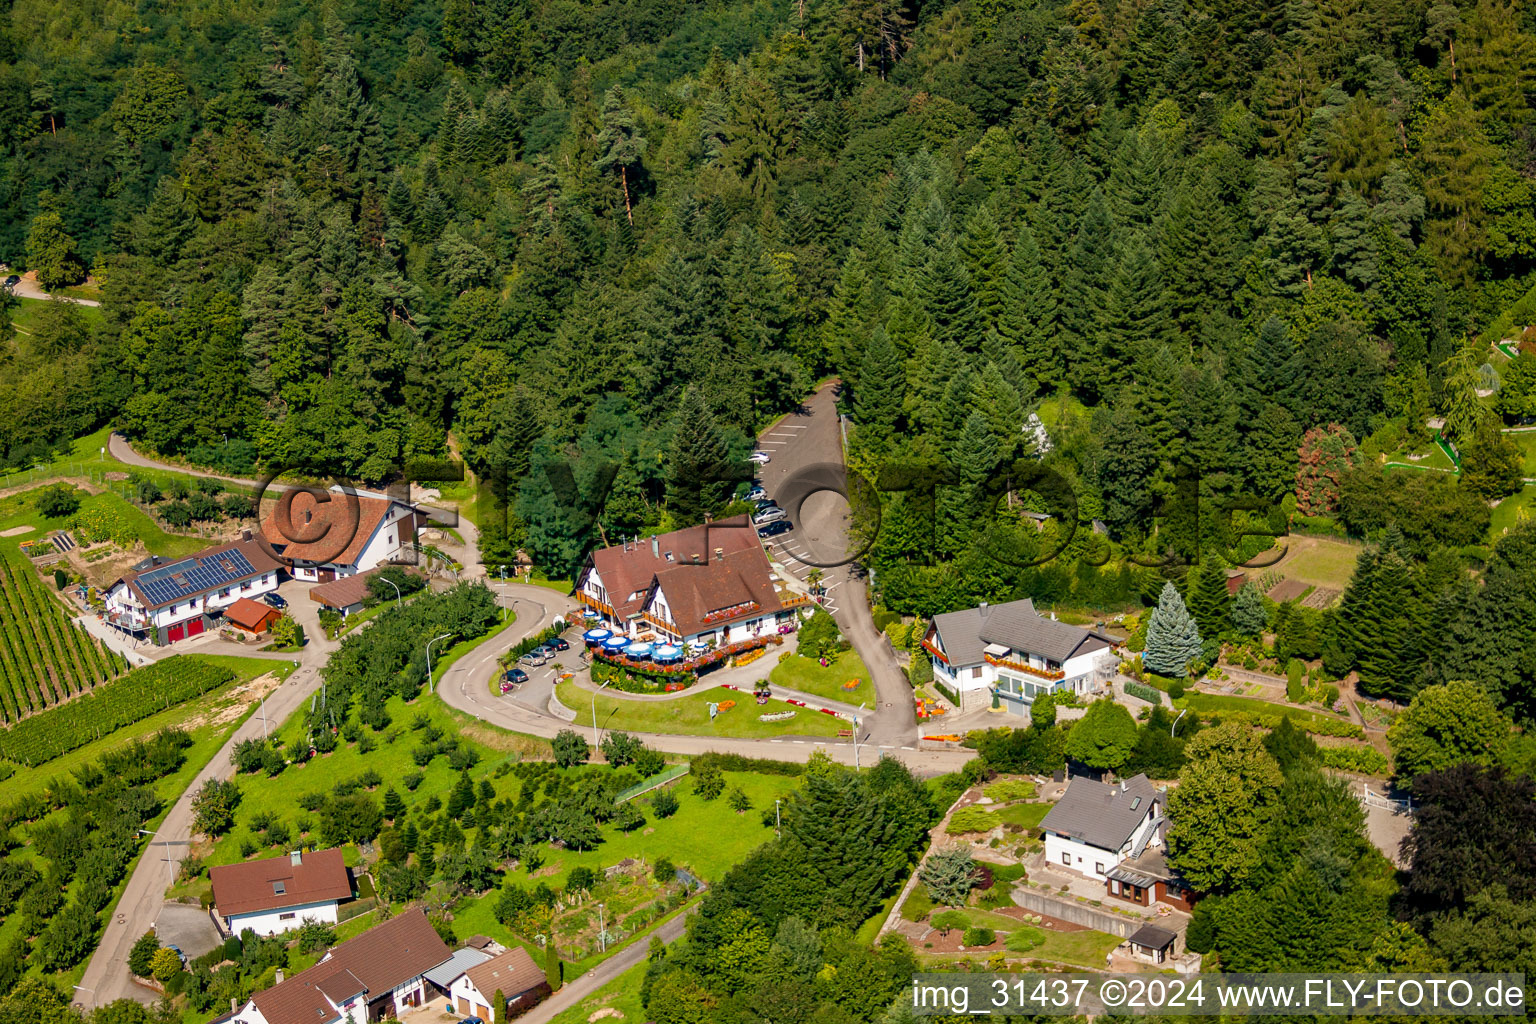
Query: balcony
{"x": 935, "y": 652}
{"x": 735, "y": 611}
{"x": 593, "y": 603}
{"x": 1024, "y": 666}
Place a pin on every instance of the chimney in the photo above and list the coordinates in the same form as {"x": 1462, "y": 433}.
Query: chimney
{"x": 278, "y": 980}
{"x": 983, "y": 609}
{"x": 655, "y": 547}
{"x": 234, "y": 1005}
{"x": 296, "y": 857}
{"x": 245, "y": 534}
{"x": 309, "y": 514}
{"x": 719, "y": 554}
{"x": 1122, "y": 785}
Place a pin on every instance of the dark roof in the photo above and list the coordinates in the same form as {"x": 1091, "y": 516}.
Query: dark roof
{"x": 702, "y": 570}
{"x": 253, "y": 885}
{"x": 351, "y": 590}
{"x": 328, "y": 532}
{"x": 248, "y": 614}
{"x": 1016, "y": 625}
{"x": 1153, "y": 937}
{"x": 377, "y": 961}
{"x": 158, "y": 582}
{"x": 1101, "y": 815}
{"x": 513, "y": 972}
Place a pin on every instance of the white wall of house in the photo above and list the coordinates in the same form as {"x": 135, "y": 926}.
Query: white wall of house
{"x": 211, "y": 602}
{"x": 412, "y": 993}
{"x": 283, "y": 919}
{"x": 469, "y": 1001}
{"x": 384, "y": 545}
{"x": 1090, "y": 861}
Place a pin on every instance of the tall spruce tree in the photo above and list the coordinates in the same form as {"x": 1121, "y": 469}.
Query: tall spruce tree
{"x": 1248, "y": 617}
{"x": 1209, "y": 601}
{"x": 697, "y": 461}
{"x": 1173, "y": 638}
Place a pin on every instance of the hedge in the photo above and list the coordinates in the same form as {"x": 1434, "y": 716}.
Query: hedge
{"x": 1316, "y": 726}
{"x": 1146, "y": 693}
{"x": 742, "y": 763}
{"x": 1361, "y": 760}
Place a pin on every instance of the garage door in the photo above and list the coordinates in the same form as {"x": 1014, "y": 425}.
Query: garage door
{"x": 175, "y": 633}
{"x": 194, "y": 627}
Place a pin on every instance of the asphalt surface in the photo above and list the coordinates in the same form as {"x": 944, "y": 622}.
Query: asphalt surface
{"x": 604, "y": 973}
{"x": 806, "y": 452}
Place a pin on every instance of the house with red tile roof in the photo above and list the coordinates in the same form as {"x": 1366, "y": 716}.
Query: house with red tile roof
{"x": 279, "y": 894}
{"x": 515, "y": 974}
{"x": 327, "y": 535}
{"x": 379, "y": 974}
{"x": 164, "y": 600}
{"x": 707, "y": 582}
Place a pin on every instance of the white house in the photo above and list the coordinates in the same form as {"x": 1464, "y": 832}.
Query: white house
{"x": 514, "y": 974}
{"x": 281, "y": 893}
{"x": 166, "y": 600}
{"x": 379, "y": 974}
{"x": 1096, "y": 825}
{"x": 1016, "y": 652}
{"x": 328, "y": 535}
{"x": 710, "y": 583}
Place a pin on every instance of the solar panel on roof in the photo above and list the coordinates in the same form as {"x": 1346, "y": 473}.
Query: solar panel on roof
{"x": 193, "y": 576}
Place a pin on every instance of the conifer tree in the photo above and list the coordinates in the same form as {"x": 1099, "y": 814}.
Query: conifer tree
{"x": 1209, "y": 602}
{"x": 948, "y": 298}
{"x": 696, "y": 462}
{"x": 1029, "y": 319}
{"x": 620, "y": 144}
{"x": 1132, "y": 318}
{"x": 1248, "y": 617}
{"x": 986, "y": 259}
{"x": 1173, "y": 638}
{"x": 882, "y": 389}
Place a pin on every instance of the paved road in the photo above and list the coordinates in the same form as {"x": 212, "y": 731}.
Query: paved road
{"x": 604, "y": 973}
{"x": 799, "y": 444}
{"x": 106, "y": 976}
{"x": 27, "y": 288}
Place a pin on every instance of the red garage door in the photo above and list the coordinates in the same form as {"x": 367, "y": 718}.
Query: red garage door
{"x": 194, "y": 627}
{"x": 175, "y": 633}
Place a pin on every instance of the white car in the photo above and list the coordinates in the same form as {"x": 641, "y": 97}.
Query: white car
{"x": 760, "y": 457}
{"x": 768, "y": 515}
{"x": 756, "y": 494}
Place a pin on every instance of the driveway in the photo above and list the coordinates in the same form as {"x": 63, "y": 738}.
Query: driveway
{"x": 186, "y": 926}
{"x": 28, "y": 288}
{"x": 806, "y": 451}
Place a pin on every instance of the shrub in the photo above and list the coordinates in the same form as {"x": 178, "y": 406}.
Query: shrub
{"x": 1147, "y": 693}
{"x": 664, "y": 871}
{"x": 949, "y": 875}
{"x": 570, "y": 749}
{"x": 58, "y": 501}
{"x": 1004, "y": 790}
{"x": 1022, "y": 940}
{"x": 1176, "y": 689}
{"x": 948, "y": 920}
{"x": 971, "y": 819}
{"x": 665, "y": 803}
{"x": 978, "y": 937}
{"x": 1295, "y": 689}
{"x": 1363, "y": 760}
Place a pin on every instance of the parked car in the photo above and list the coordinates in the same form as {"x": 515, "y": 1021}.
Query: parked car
{"x": 532, "y": 658}
{"x": 765, "y": 503}
{"x": 515, "y": 675}
{"x": 275, "y": 600}
{"x": 775, "y": 528}
{"x": 178, "y": 952}
{"x": 471, "y": 1020}
{"x": 12, "y": 281}
{"x": 768, "y": 515}
{"x": 560, "y": 643}
{"x": 760, "y": 457}
{"x": 756, "y": 493}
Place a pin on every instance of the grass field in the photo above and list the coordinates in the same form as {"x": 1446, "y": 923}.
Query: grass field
{"x": 1211, "y": 702}
{"x": 1526, "y": 442}
{"x": 27, "y": 316}
{"x": 128, "y": 523}
{"x": 1052, "y": 410}
{"x": 1319, "y": 561}
{"x": 689, "y": 716}
{"x": 1508, "y": 511}
{"x": 1084, "y": 948}
{"x": 807, "y": 676}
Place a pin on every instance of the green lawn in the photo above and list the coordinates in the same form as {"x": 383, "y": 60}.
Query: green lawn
{"x": 20, "y": 510}
{"x": 28, "y": 315}
{"x": 807, "y": 676}
{"x": 689, "y": 715}
{"x": 209, "y": 706}
{"x": 1434, "y": 457}
{"x": 1526, "y": 442}
{"x": 1319, "y": 561}
{"x": 1028, "y": 815}
{"x": 1507, "y": 513}
{"x": 1085, "y": 948}
{"x": 1210, "y": 702}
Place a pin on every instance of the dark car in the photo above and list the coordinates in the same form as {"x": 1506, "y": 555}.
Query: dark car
{"x": 515, "y": 675}
{"x": 275, "y": 600}
{"x": 12, "y": 281}
{"x": 775, "y": 528}
{"x": 471, "y": 1020}
{"x": 559, "y": 643}
{"x": 763, "y": 503}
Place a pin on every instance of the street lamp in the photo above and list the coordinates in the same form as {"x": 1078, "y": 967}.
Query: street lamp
{"x": 594, "y": 711}
{"x": 169, "y": 873}
{"x": 398, "y": 600}
{"x": 434, "y": 640}
{"x": 1176, "y": 722}
{"x": 602, "y": 929}
{"x": 856, "y": 738}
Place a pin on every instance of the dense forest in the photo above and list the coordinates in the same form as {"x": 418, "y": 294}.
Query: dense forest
{"x": 1231, "y": 253}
